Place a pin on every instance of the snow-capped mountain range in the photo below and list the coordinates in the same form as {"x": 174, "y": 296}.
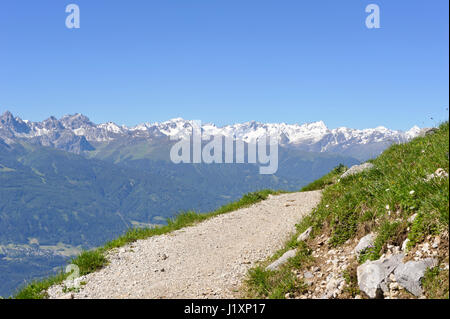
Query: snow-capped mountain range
{"x": 76, "y": 133}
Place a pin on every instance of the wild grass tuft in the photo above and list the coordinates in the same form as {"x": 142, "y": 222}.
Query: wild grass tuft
{"x": 37, "y": 289}
{"x": 262, "y": 283}
{"x": 89, "y": 261}
{"x": 435, "y": 283}
{"x": 326, "y": 180}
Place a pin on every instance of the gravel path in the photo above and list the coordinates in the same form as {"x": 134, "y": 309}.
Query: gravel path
{"x": 208, "y": 260}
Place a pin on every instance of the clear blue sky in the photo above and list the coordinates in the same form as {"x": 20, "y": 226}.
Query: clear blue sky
{"x": 227, "y": 61}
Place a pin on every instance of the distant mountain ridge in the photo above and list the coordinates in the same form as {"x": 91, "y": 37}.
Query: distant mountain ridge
{"x": 76, "y": 133}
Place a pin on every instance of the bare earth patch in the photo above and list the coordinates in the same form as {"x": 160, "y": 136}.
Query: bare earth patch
{"x": 208, "y": 260}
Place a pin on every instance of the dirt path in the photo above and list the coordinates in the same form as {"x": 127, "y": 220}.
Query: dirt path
{"x": 208, "y": 260}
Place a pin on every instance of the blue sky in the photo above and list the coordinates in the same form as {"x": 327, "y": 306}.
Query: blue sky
{"x": 227, "y": 61}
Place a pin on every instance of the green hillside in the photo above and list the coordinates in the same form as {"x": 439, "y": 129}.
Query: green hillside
{"x": 56, "y": 196}
{"x": 380, "y": 200}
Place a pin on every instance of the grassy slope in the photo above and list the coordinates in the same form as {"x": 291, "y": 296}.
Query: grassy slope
{"x": 90, "y": 261}
{"x": 379, "y": 200}
{"x": 326, "y": 180}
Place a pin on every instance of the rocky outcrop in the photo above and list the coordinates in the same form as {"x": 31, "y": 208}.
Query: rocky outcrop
{"x": 364, "y": 243}
{"x": 373, "y": 276}
{"x": 409, "y": 275}
{"x": 397, "y": 274}
{"x": 356, "y": 169}
{"x": 377, "y": 278}
{"x": 305, "y": 235}
{"x": 427, "y": 131}
{"x": 13, "y": 124}
{"x": 282, "y": 260}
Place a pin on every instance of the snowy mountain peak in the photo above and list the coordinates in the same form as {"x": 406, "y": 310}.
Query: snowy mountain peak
{"x": 413, "y": 131}
{"x": 313, "y": 137}
{"x": 76, "y": 121}
{"x": 320, "y": 125}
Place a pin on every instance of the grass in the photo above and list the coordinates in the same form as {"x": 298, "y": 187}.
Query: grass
{"x": 352, "y": 288}
{"x": 35, "y": 289}
{"x": 379, "y": 200}
{"x": 386, "y": 232}
{"x": 435, "y": 283}
{"x": 90, "y": 261}
{"x": 276, "y": 284}
{"x": 383, "y": 198}
{"x": 328, "y": 179}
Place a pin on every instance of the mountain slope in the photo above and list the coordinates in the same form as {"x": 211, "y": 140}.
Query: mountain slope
{"x": 57, "y": 196}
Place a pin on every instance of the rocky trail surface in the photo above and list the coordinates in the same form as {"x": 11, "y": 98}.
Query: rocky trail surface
{"x": 207, "y": 260}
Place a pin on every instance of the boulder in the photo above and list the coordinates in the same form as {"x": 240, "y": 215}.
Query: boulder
{"x": 282, "y": 260}
{"x": 427, "y": 131}
{"x": 409, "y": 275}
{"x": 364, "y": 243}
{"x": 373, "y": 276}
{"x": 305, "y": 234}
{"x": 356, "y": 169}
